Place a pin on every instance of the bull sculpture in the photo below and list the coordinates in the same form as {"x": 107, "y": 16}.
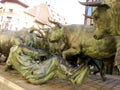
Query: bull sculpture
{"x": 10, "y": 38}
{"x": 78, "y": 39}
{"x": 24, "y": 54}
{"x": 106, "y": 17}
{"x": 26, "y": 57}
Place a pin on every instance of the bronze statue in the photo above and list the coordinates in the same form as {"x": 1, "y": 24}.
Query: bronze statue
{"x": 10, "y": 38}
{"x": 38, "y": 59}
{"x": 24, "y": 60}
{"x": 78, "y": 39}
{"x": 106, "y": 17}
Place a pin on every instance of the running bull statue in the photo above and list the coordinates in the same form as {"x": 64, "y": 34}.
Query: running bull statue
{"x": 106, "y": 17}
{"x": 10, "y": 38}
{"x": 78, "y": 39}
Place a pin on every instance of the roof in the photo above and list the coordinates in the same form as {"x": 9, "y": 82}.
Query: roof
{"x": 15, "y": 1}
{"x": 40, "y": 13}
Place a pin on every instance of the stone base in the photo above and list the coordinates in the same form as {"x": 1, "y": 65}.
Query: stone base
{"x": 8, "y": 85}
{"x": 9, "y": 81}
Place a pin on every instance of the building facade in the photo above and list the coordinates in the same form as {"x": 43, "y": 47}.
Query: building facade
{"x": 15, "y": 15}
{"x": 11, "y": 14}
{"x": 56, "y": 16}
{"x": 44, "y": 11}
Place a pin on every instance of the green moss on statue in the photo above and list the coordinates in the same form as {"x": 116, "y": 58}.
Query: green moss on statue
{"x": 23, "y": 59}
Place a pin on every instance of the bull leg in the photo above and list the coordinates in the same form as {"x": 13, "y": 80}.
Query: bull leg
{"x": 102, "y": 72}
{"x": 71, "y": 51}
{"x": 117, "y": 57}
{"x": 101, "y": 69}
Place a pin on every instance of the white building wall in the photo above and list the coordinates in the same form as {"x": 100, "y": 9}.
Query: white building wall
{"x": 18, "y": 20}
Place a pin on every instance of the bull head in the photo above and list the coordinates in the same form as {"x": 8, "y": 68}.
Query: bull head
{"x": 57, "y": 33}
{"x": 101, "y": 22}
{"x": 106, "y": 17}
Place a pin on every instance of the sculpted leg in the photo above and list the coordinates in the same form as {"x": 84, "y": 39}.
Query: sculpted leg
{"x": 69, "y": 52}
{"x": 117, "y": 57}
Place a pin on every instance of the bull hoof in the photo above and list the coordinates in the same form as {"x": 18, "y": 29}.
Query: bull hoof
{"x": 104, "y": 78}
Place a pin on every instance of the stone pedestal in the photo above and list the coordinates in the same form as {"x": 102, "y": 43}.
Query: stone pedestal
{"x": 9, "y": 81}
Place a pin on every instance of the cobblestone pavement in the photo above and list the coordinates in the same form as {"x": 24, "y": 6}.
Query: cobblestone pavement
{"x": 93, "y": 82}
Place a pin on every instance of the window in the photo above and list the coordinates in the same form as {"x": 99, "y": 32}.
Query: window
{"x": 59, "y": 19}
{"x": 6, "y": 25}
{"x": 89, "y": 11}
{"x": 10, "y": 10}
{"x": 1, "y": 18}
{"x": 1, "y": 10}
{"x": 8, "y": 18}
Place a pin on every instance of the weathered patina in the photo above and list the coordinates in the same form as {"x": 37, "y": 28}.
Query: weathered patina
{"x": 78, "y": 39}
{"x": 67, "y": 41}
{"x": 106, "y": 17}
{"x": 10, "y": 38}
{"x": 25, "y": 61}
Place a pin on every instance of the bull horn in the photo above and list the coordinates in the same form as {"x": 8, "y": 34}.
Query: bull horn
{"x": 87, "y": 16}
{"x": 43, "y": 28}
{"x": 90, "y": 3}
{"x": 34, "y": 29}
{"x": 56, "y": 23}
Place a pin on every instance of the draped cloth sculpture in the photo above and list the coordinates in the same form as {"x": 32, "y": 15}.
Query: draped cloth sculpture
{"x": 25, "y": 61}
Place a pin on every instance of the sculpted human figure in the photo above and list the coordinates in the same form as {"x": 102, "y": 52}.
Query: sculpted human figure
{"x": 24, "y": 60}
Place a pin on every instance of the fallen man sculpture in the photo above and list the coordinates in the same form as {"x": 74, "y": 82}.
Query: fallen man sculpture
{"x": 24, "y": 60}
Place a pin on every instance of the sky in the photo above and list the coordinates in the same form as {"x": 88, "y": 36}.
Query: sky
{"x": 71, "y": 10}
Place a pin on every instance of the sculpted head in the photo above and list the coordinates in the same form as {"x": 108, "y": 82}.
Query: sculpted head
{"x": 56, "y": 34}
{"x": 101, "y": 21}
{"x": 106, "y": 17}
